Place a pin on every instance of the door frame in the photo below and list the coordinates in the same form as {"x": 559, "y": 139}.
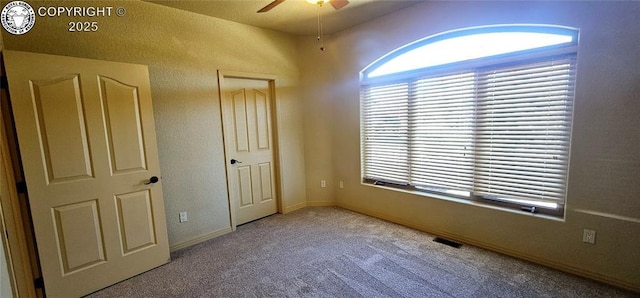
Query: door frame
{"x": 273, "y": 104}
{"x": 16, "y": 249}
{"x": 19, "y": 259}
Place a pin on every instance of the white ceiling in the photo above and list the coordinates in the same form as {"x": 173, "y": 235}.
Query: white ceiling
{"x": 292, "y": 16}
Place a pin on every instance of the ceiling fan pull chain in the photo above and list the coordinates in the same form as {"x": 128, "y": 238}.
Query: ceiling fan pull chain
{"x": 320, "y": 40}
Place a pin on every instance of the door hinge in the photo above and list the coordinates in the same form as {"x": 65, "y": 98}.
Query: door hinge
{"x": 21, "y": 187}
{"x": 38, "y": 283}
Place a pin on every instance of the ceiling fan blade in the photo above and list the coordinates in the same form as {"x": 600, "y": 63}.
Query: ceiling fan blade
{"x": 270, "y": 5}
{"x": 337, "y": 4}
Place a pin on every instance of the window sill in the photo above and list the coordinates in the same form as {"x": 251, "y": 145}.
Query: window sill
{"x": 467, "y": 202}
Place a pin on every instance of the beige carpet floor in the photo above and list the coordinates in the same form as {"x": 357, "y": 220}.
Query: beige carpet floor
{"x": 332, "y": 252}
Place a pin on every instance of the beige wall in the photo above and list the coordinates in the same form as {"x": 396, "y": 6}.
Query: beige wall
{"x": 604, "y": 186}
{"x": 318, "y": 114}
{"x": 184, "y": 51}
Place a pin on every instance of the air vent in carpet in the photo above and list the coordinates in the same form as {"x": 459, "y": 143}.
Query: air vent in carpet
{"x": 447, "y": 242}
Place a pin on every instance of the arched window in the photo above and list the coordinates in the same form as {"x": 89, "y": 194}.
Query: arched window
{"x": 480, "y": 113}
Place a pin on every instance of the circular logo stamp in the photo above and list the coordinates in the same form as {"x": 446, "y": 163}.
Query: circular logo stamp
{"x": 18, "y": 17}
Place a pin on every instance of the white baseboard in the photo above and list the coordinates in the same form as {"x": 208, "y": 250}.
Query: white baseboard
{"x": 199, "y": 239}
{"x": 295, "y": 207}
{"x": 309, "y": 204}
{"x": 321, "y": 203}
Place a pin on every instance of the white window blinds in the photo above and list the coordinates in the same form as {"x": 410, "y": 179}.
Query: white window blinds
{"x": 498, "y": 132}
{"x": 523, "y": 116}
{"x": 385, "y": 133}
{"x": 442, "y": 132}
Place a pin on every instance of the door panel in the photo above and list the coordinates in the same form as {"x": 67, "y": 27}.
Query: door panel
{"x": 66, "y": 159}
{"x": 246, "y": 113}
{"x": 79, "y": 236}
{"x": 265, "y": 181}
{"x": 135, "y": 216}
{"x": 244, "y": 186}
{"x": 124, "y": 126}
{"x": 262, "y": 121}
{"x": 87, "y": 142}
{"x": 240, "y": 120}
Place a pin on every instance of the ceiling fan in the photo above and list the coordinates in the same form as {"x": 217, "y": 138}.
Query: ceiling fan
{"x": 337, "y": 4}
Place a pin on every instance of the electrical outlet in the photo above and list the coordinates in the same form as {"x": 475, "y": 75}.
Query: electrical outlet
{"x": 589, "y": 236}
{"x": 183, "y": 217}
{"x": 341, "y": 184}
{"x": 323, "y": 183}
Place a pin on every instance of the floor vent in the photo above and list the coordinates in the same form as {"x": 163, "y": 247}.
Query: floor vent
{"x": 447, "y": 242}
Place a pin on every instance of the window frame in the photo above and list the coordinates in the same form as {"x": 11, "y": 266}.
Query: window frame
{"x": 473, "y": 65}
{"x": 478, "y": 62}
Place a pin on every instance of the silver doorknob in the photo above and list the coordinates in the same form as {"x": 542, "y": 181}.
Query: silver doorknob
{"x": 235, "y": 161}
{"x": 152, "y": 180}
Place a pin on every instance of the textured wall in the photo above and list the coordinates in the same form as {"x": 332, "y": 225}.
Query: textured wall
{"x": 184, "y": 51}
{"x": 318, "y": 109}
{"x": 604, "y": 182}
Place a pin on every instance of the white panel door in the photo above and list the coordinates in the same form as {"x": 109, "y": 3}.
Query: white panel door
{"x": 246, "y": 113}
{"x": 87, "y": 141}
